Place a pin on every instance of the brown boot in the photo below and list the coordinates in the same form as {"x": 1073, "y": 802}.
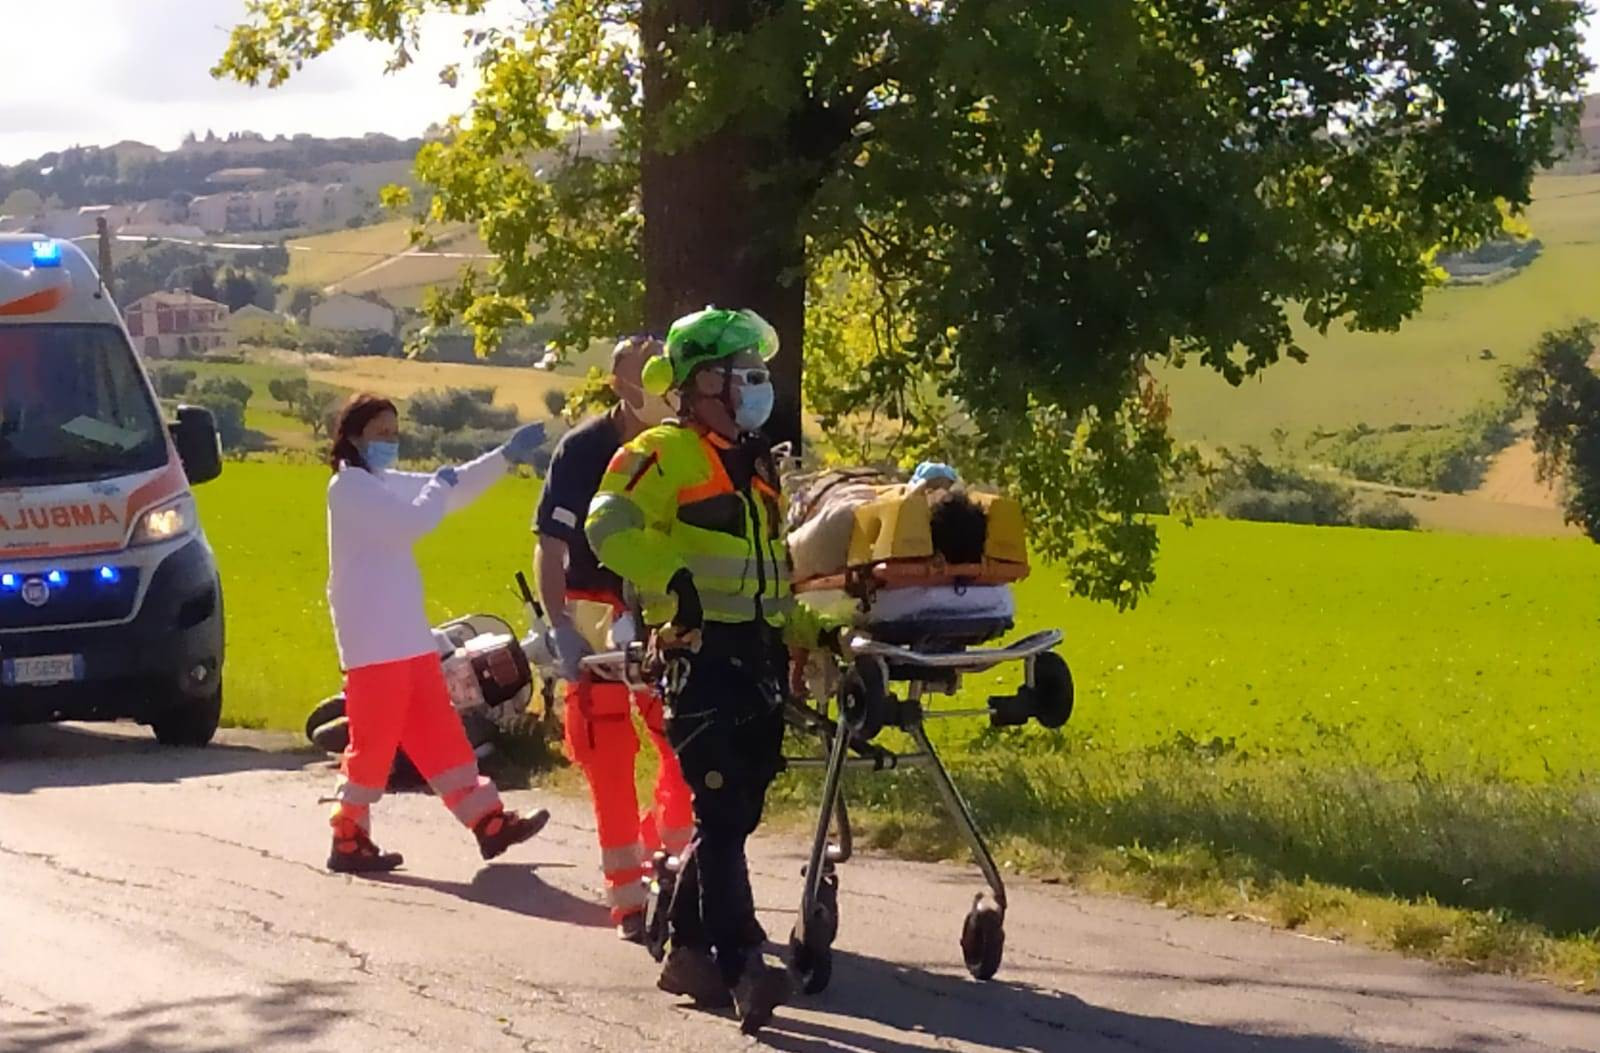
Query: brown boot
{"x": 500, "y": 829}
{"x": 357, "y": 854}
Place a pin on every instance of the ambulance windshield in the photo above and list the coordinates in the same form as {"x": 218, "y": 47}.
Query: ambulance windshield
{"x": 73, "y": 407}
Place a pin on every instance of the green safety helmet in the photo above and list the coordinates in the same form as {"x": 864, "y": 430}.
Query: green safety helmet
{"x": 707, "y": 336}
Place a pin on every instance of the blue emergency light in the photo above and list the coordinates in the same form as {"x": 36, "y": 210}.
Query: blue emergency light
{"x": 8, "y": 581}
{"x": 56, "y": 578}
{"x": 110, "y": 575}
{"x": 47, "y": 253}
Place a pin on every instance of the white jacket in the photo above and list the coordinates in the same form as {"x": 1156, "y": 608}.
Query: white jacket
{"x": 374, "y": 587}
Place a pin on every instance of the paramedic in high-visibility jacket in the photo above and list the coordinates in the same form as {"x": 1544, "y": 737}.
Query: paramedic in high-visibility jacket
{"x": 587, "y": 614}
{"x": 395, "y": 691}
{"x": 691, "y": 514}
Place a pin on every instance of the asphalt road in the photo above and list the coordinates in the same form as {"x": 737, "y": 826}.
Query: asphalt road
{"x": 154, "y": 901}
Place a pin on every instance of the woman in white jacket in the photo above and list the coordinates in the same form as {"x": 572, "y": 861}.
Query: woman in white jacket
{"x": 395, "y": 693}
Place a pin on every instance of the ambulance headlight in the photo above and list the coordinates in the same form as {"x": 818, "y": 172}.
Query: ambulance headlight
{"x": 174, "y": 519}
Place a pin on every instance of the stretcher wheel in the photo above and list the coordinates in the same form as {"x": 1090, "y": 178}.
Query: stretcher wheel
{"x": 866, "y": 705}
{"x": 1052, "y": 690}
{"x": 983, "y": 939}
{"x": 811, "y": 967}
{"x": 327, "y": 710}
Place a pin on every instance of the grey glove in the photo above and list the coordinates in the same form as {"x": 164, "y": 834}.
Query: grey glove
{"x": 524, "y": 443}
{"x": 570, "y": 648}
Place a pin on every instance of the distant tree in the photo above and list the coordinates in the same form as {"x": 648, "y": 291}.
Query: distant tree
{"x": 203, "y": 282}
{"x": 22, "y": 202}
{"x": 315, "y": 411}
{"x": 225, "y": 386}
{"x": 302, "y": 298}
{"x": 290, "y": 391}
{"x": 238, "y": 289}
{"x": 273, "y": 260}
{"x": 1562, "y": 389}
{"x": 170, "y": 381}
{"x": 555, "y": 402}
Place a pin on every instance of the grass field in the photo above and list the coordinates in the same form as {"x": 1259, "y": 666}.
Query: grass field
{"x": 358, "y": 260}
{"x": 1429, "y": 372}
{"x": 400, "y": 379}
{"x": 1386, "y": 737}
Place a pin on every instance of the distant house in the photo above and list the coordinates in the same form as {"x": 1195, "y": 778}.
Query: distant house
{"x": 251, "y": 320}
{"x": 176, "y": 324}
{"x": 348, "y": 313}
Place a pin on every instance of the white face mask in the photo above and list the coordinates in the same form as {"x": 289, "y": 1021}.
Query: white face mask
{"x": 649, "y": 410}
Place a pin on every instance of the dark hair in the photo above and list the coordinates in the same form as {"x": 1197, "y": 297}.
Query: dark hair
{"x": 959, "y": 525}
{"x": 353, "y": 420}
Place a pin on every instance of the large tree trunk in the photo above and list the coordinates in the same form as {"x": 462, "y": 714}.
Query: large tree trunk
{"x": 713, "y": 234}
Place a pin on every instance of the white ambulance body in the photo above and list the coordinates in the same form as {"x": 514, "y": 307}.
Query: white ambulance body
{"x": 110, "y": 604}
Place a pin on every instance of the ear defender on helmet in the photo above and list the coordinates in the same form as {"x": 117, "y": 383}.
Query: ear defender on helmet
{"x": 656, "y": 378}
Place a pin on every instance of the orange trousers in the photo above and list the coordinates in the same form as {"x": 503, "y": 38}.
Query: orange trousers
{"x": 406, "y": 704}
{"x": 602, "y": 741}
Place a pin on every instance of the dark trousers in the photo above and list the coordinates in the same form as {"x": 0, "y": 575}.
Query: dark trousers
{"x": 725, "y": 722}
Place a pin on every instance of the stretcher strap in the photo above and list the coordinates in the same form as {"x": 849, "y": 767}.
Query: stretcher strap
{"x": 864, "y": 581}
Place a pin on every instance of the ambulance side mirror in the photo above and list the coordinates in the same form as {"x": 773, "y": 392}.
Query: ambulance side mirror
{"x": 199, "y": 448}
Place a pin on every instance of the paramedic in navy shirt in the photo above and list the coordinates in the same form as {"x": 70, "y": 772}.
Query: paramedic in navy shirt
{"x": 586, "y": 605}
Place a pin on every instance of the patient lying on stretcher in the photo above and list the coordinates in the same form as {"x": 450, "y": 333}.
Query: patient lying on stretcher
{"x": 880, "y": 551}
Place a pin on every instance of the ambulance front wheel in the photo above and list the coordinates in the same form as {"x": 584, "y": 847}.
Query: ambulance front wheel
{"x": 190, "y": 721}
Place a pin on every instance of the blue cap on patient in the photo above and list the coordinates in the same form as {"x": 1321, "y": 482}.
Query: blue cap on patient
{"x": 933, "y": 471}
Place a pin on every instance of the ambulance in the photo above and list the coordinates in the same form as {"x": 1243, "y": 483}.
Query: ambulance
{"x": 110, "y": 603}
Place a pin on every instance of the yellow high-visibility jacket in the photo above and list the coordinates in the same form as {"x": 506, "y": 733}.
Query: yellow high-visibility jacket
{"x": 667, "y": 503}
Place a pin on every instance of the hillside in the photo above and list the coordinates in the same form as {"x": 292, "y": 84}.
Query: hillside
{"x": 1434, "y": 369}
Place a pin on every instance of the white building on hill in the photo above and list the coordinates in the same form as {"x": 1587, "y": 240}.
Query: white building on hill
{"x": 354, "y": 314}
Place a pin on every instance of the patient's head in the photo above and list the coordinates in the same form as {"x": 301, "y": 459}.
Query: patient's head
{"x": 960, "y": 527}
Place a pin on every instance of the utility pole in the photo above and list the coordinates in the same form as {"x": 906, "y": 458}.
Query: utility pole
{"x": 105, "y": 255}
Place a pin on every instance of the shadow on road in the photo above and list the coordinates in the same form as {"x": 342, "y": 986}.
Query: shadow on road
{"x": 514, "y": 888}
{"x": 286, "y": 1016}
{"x": 45, "y": 756}
{"x": 1007, "y": 1016}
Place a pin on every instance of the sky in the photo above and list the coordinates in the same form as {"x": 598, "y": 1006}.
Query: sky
{"x": 93, "y": 72}
{"x": 99, "y": 71}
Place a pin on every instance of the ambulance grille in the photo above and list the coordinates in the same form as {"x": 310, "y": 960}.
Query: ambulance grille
{"x": 84, "y": 599}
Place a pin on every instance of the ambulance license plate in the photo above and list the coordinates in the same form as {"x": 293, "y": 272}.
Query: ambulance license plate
{"x": 41, "y": 670}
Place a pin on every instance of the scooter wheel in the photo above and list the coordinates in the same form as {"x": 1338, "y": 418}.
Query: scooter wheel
{"x": 1052, "y": 690}
{"x": 327, "y": 710}
{"x": 983, "y": 940}
{"x": 811, "y": 966}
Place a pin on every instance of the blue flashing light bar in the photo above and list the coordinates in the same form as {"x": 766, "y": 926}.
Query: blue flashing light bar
{"x": 56, "y": 578}
{"x": 110, "y": 575}
{"x": 47, "y": 253}
{"x": 8, "y": 581}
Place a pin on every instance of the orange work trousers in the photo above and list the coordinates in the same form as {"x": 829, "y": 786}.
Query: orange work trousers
{"x": 406, "y": 705}
{"x": 601, "y": 740}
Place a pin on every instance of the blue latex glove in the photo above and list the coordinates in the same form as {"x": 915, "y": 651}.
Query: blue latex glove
{"x": 447, "y": 475}
{"x": 570, "y": 648}
{"x": 524, "y": 443}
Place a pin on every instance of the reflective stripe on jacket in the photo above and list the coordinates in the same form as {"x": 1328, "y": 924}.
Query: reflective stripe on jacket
{"x": 667, "y": 503}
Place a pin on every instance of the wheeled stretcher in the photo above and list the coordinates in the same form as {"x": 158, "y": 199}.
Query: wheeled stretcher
{"x": 919, "y": 625}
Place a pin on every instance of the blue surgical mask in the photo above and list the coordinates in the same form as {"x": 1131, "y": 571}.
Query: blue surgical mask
{"x": 381, "y": 456}
{"x": 755, "y": 406}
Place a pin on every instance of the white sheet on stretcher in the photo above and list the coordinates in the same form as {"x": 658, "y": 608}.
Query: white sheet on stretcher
{"x": 913, "y": 603}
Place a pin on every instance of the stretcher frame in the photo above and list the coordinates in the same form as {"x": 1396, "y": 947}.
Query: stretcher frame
{"x": 847, "y": 719}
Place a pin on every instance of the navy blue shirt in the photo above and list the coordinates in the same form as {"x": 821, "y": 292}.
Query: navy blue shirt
{"x": 578, "y": 465}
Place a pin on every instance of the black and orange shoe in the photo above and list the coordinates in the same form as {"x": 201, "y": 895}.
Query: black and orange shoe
{"x": 356, "y": 854}
{"x": 500, "y": 829}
